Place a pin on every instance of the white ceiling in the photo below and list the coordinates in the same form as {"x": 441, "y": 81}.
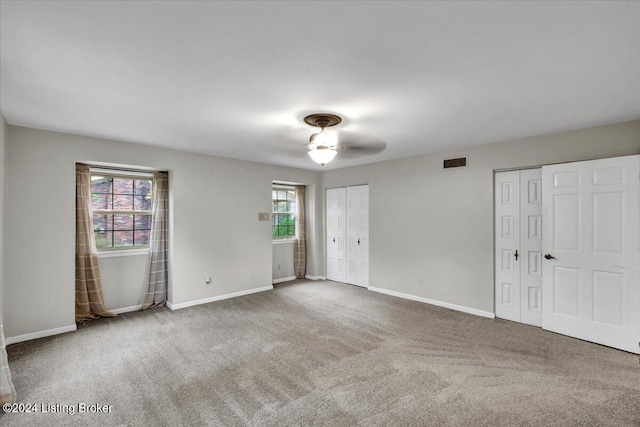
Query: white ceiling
{"x": 236, "y": 79}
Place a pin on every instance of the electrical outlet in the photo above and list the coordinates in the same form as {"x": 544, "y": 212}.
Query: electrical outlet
{"x": 252, "y": 276}
{"x": 420, "y": 282}
{"x": 208, "y": 281}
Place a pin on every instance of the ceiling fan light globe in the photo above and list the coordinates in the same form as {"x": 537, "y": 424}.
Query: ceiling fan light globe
{"x": 322, "y": 155}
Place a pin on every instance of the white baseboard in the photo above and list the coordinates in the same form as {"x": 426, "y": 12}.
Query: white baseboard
{"x": 40, "y": 334}
{"x": 217, "y": 298}
{"x": 127, "y": 309}
{"x": 462, "y": 308}
{"x": 284, "y": 279}
{"x": 315, "y": 277}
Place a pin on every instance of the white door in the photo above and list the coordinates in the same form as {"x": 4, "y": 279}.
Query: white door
{"x": 518, "y": 240}
{"x": 336, "y": 234}
{"x": 507, "y": 226}
{"x": 591, "y": 242}
{"x": 358, "y": 235}
{"x": 531, "y": 247}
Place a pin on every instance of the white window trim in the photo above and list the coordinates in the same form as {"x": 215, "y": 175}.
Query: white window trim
{"x": 284, "y": 240}
{"x": 121, "y": 173}
{"x": 118, "y": 252}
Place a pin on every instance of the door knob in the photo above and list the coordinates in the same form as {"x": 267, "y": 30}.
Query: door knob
{"x": 549, "y": 256}
{"x": 516, "y": 255}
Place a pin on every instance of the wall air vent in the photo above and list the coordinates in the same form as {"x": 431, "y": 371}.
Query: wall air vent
{"x": 460, "y": 162}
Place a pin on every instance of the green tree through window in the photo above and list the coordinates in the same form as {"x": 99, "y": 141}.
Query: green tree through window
{"x": 283, "y": 212}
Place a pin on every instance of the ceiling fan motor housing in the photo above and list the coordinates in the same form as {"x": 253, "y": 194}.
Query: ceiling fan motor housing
{"x": 322, "y": 120}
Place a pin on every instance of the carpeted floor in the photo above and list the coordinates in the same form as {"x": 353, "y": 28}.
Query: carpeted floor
{"x": 322, "y": 353}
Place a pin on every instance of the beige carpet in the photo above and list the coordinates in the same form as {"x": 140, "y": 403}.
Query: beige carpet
{"x": 321, "y": 353}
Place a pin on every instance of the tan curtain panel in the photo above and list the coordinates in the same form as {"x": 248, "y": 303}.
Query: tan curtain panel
{"x": 89, "y": 299}
{"x": 7, "y": 391}
{"x": 158, "y": 277}
{"x": 300, "y": 249}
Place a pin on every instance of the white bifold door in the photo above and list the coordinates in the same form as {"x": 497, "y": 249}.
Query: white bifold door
{"x": 518, "y": 257}
{"x": 591, "y": 246}
{"x": 348, "y": 235}
{"x": 337, "y": 234}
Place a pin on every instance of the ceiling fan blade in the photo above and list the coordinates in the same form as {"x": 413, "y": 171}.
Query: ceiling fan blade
{"x": 352, "y": 146}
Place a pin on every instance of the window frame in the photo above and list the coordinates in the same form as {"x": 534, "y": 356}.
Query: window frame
{"x": 276, "y": 187}
{"x": 133, "y": 175}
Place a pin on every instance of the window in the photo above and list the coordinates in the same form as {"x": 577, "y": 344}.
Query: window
{"x": 121, "y": 206}
{"x": 284, "y": 212}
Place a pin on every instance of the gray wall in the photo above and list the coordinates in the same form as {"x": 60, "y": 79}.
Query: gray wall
{"x": 3, "y": 170}
{"x": 437, "y": 226}
{"x": 282, "y": 264}
{"x": 426, "y": 223}
{"x": 215, "y": 232}
{"x": 124, "y": 280}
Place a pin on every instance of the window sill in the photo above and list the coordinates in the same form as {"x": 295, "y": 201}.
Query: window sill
{"x": 124, "y": 252}
{"x": 283, "y": 241}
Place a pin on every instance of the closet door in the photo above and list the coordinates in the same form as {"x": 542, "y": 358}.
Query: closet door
{"x": 531, "y": 247}
{"x": 591, "y": 242}
{"x": 507, "y": 241}
{"x": 518, "y": 226}
{"x": 336, "y": 234}
{"x": 358, "y": 235}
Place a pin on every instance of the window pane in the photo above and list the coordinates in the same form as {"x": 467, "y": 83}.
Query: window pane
{"x": 102, "y": 223}
{"x": 142, "y": 187}
{"x": 122, "y": 238}
{"x": 122, "y": 186}
{"x": 121, "y": 193}
{"x": 142, "y": 203}
{"x": 283, "y": 225}
{"x": 122, "y": 202}
{"x": 103, "y": 239}
{"x": 123, "y": 222}
{"x": 101, "y": 184}
{"x": 142, "y": 222}
{"x": 100, "y": 201}
{"x": 282, "y": 206}
{"x": 283, "y": 202}
{"x": 142, "y": 237}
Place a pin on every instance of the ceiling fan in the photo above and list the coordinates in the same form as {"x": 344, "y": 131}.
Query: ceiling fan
{"x": 323, "y": 146}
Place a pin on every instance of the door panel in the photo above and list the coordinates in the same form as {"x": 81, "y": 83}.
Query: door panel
{"x": 348, "y": 235}
{"x": 358, "y": 235}
{"x": 531, "y": 246}
{"x": 591, "y": 229}
{"x": 507, "y": 216}
{"x": 519, "y": 228}
{"x": 336, "y": 234}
